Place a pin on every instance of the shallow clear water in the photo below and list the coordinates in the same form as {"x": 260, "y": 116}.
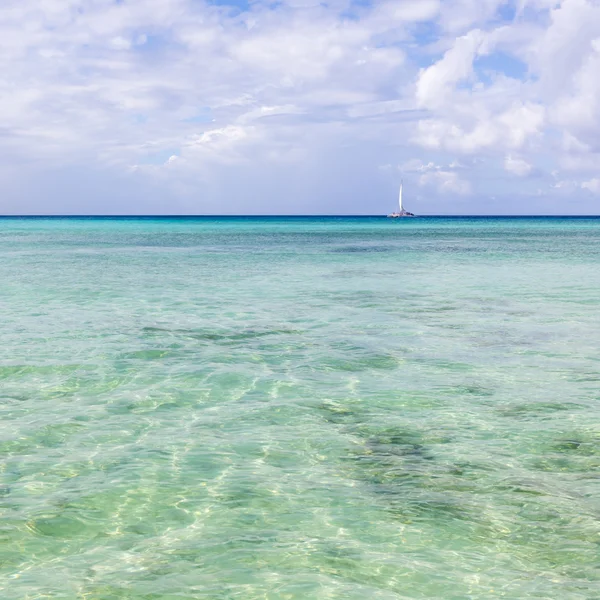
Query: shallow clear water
{"x": 299, "y": 409}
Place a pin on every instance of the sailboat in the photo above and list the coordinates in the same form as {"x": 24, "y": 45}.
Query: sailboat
{"x": 402, "y": 212}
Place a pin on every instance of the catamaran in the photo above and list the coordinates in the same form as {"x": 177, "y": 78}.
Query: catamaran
{"x": 402, "y": 212}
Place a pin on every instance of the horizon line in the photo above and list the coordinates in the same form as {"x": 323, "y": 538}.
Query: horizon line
{"x": 279, "y": 216}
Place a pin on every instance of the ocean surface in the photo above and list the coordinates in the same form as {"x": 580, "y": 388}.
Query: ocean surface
{"x": 300, "y": 408}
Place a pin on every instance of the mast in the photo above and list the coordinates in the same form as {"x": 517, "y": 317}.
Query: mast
{"x": 400, "y": 198}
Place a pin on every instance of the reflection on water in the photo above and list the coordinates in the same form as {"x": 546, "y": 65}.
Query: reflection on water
{"x": 321, "y": 408}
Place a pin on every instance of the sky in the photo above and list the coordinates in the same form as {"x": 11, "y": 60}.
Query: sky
{"x": 299, "y": 106}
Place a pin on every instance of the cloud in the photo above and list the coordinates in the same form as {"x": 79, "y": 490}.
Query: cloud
{"x": 405, "y": 11}
{"x": 461, "y": 15}
{"x": 300, "y": 94}
{"x": 446, "y": 182}
{"x": 120, "y": 43}
{"x": 456, "y": 65}
{"x": 415, "y": 165}
{"x": 517, "y": 166}
{"x": 443, "y": 179}
{"x": 560, "y": 51}
{"x": 577, "y": 111}
{"x": 593, "y": 185}
{"x": 511, "y": 128}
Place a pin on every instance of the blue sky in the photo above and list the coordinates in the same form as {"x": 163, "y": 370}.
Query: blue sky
{"x": 299, "y": 106}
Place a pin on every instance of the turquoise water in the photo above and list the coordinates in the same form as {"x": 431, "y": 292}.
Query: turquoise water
{"x": 299, "y": 409}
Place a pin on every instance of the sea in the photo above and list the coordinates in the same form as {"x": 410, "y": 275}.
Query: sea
{"x": 299, "y": 408}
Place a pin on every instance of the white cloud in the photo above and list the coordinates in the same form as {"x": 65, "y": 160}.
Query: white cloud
{"x": 521, "y": 121}
{"x": 408, "y": 10}
{"x": 120, "y": 43}
{"x": 593, "y": 185}
{"x": 462, "y": 132}
{"x": 461, "y": 15}
{"x": 578, "y": 111}
{"x": 559, "y": 52}
{"x": 335, "y": 87}
{"x": 417, "y": 166}
{"x": 446, "y": 181}
{"x": 223, "y": 135}
{"x": 517, "y": 166}
{"x": 456, "y": 65}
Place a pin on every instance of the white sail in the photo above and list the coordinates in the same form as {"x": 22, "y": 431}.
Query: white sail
{"x": 401, "y": 212}
{"x": 400, "y": 198}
